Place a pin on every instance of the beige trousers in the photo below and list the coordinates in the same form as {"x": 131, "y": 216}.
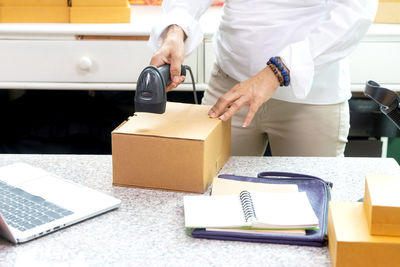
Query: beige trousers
{"x": 292, "y": 129}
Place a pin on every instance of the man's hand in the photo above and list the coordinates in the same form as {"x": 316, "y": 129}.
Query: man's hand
{"x": 252, "y": 92}
{"x": 172, "y": 51}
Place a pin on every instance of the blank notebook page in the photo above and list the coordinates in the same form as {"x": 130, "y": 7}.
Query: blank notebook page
{"x": 283, "y": 209}
{"x": 215, "y": 211}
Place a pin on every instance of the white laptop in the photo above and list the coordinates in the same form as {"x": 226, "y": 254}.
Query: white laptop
{"x": 34, "y": 202}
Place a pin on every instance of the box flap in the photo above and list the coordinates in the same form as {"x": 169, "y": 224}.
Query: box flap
{"x": 186, "y": 121}
{"x": 384, "y": 190}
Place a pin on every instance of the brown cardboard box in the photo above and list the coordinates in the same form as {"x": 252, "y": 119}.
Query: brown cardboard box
{"x": 388, "y": 11}
{"x": 382, "y": 204}
{"x": 99, "y": 2}
{"x": 350, "y": 243}
{"x": 34, "y": 14}
{"x": 181, "y": 150}
{"x": 34, "y": 3}
{"x": 100, "y": 14}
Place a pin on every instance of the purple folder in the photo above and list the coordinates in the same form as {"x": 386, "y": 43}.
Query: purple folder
{"x": 318, "y": 192}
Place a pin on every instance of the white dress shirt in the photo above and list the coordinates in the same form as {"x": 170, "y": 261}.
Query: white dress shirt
{"x": 313, "y": 37}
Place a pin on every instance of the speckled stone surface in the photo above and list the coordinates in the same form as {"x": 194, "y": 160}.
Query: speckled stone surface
{"x": 148, "y": 228}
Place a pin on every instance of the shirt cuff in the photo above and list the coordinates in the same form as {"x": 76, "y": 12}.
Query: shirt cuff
{"x": 297, "y": 58}
{"x": 182, "y": 18}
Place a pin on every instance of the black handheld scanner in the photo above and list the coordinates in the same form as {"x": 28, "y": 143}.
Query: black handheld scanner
{"x": 151, "y": 88}
{"x": 388, "y": 101}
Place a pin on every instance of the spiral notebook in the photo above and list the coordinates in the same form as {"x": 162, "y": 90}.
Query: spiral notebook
{"x": 318, "y": 192}
{"x": 230, "y": 187}
{"x": 250, "y": 210}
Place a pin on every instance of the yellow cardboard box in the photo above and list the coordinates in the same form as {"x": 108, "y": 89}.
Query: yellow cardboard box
{"x": 350, "y": 243}
{"x": 388, "y": 11}
{"x": 100, "y": 14}
{"x": 99, "y": 3}
{"x": 34, "y": 3}
{"x": 181, "y": 150}
{"x": 146, "y": 2}
{"x": 382, "y": 204}
{"x": 33, "y": 14}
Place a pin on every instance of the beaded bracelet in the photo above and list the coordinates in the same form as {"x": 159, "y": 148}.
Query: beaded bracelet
{"x": 276, "y": 72}
{"x": 284, "y": 74}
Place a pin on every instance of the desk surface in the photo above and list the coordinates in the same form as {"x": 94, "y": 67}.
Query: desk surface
{"x": 148, "y": 228}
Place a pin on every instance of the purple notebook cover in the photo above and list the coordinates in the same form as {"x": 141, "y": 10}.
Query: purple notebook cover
{"x": 318, "y": 192}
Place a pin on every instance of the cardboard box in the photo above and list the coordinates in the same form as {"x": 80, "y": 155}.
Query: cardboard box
{"x": 388, "y": 11}
{"x": 146, "y": 2}
{"x": 34, "y": 3}
{"x": 382, "y": 204}
{"x": 100, "y": 14}
{"x": 87, "y": 3}
{"x": 350, "y": 243}
{"x": 181, "y": 150}
{"x": 30, "y": 14}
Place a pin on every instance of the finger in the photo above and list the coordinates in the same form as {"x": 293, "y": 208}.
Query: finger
{"x": 233, "y": 108}
{"x": 158, "y": 60}
{"x": 171, "y": 86}
{"x": 222, "y": 104}
{"x": 175, "y": 70}
{"x": 250, "y": 115}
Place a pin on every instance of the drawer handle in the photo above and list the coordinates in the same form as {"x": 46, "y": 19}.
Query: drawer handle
{"x": 85, "y": 63}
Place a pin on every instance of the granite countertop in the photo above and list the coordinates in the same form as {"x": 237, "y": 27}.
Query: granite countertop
{"x": 148, "y": 228}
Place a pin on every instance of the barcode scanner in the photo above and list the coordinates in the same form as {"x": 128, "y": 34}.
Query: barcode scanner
{"x": 151, "y": 88}
{"x": 388, "y": 101}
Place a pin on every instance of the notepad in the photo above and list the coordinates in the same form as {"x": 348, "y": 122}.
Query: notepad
{"x": 222, "y": 186}
{"x": 250, "y": 210}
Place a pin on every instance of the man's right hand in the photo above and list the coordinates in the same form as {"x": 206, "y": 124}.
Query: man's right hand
{"x": 172, "y": 51}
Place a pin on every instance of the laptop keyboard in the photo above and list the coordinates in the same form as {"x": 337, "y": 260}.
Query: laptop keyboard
{"x": 24, "y": 211}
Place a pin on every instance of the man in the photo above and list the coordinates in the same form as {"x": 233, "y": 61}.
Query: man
{"x": 309, "y": 40}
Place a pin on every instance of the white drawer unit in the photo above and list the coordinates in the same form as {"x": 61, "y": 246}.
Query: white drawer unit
{"x": 50, "y": 56}
{"x": 76, "y": 61}
{"x": 378, "y": 61}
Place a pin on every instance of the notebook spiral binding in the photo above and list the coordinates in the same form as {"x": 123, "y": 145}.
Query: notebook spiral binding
{"x": 247, "y": 205}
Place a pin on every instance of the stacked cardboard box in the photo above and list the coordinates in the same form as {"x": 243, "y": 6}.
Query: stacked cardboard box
{"x": 388, "y": 11}
{"x": 34, "y": 11}
{"x": 159, "y": 2}
{"x": 65, "y": 11}
{"x": 382, "y": 204}
{"x": 100, "y": 11}
{"x": 146, "y": 2}
{"x": 367, "y": 234}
